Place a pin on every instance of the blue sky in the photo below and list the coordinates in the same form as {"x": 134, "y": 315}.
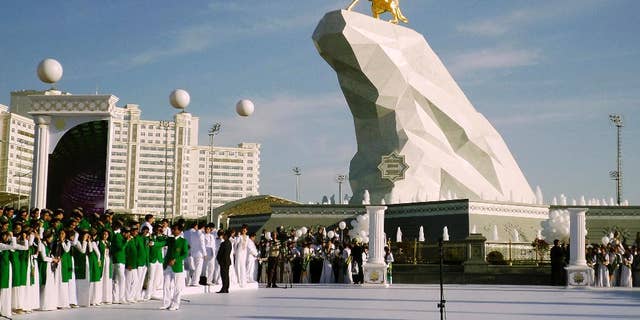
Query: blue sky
{"x": 545, "y": 73}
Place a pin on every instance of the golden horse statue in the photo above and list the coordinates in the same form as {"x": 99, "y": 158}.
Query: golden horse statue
{"x": 379, "y": 7}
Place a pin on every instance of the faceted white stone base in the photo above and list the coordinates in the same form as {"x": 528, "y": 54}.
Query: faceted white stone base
{"x": 579, "y": 276}
{"x": 375, "y": 274}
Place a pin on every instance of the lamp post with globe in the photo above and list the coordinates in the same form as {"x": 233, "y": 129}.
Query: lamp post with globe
{"x": 179, "y": 99}
{"x": 49, "y": 71}
{"x": 165, "y": 125}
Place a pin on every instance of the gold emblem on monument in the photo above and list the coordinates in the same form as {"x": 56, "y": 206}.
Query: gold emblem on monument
{"x": 393, "y": 167}
{"x": 379, "y": 7}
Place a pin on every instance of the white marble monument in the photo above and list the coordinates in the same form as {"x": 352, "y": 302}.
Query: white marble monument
{"x": 418, "y": 135}
{"x": 579, "y": 274}
{"x": 375, "y": 270}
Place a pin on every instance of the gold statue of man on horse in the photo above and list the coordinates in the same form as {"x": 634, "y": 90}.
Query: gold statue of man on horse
{"x": 379, "y": 7}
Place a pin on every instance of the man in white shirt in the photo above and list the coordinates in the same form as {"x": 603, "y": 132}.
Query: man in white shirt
{"x": 197, "y": 252}
{"x": 210, "y": 248}
{"x": 149, "y": 220}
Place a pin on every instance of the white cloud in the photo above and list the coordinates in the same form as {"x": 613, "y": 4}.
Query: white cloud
{"x": 493, "y": 58}
{"x": 502, "y": 24}
{"x": 203, "y": 36}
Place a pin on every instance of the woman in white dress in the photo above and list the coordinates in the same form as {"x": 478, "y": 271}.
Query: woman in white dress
{"x": 241, "y": 246}
{"x": 602, "y": 267}
{"x": 33, "y": 273}
{"x": 48, "y": 288}
{"x": 625, "y": 269}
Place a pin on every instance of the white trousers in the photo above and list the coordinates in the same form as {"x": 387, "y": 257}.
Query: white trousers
{"x": 49, "y": 291}
{"x": 156, "y": 277}
{"x": 142, "y": 274}
{"x": 198, "y": 263}
{"x": 119, "y": 284}
{"x": 72, "y": 291}
{"x": 82, "y": 286}
{"x": 18, "y": 297}
{"x": 173, "y": 285}
{"x": 95, "y": 293}
{"x": 216, "y": 273}
{"x": 107, "y": 284}
{"x": 63, "y": 289}
{"x": 241, "y": 267}
{"x": 209, "y": 268}
{"x": 32, "y": 293}
{"x": 131, "y": 281}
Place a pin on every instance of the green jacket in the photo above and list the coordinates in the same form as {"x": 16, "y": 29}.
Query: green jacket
{"x": 80, "y": 261}
{"x": 142, "y": 247}
{"x": 155, "y": 252}
{"x": 104, "y": 248}
{"x": 117, "y": 248}
{"x": 66, "y": 265}
{"x": 95, "y": 266}
{"x": 131, "y": 253}
{"x": 178, "y": 250}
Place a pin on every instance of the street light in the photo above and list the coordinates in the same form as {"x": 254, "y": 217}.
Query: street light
{"x": 165, "y": 125}
{"x": 441, "y": 241}
{"x": 617, "y": 174}
{"x": 213, "y": 131}
{"x": 297, "y": 172}
{"x": 179, "y": 99}
{"x": 340, "y": 179}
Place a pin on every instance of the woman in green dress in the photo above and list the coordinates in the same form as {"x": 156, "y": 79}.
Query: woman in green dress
{"x": 19, "y": 265}
{"x": 107, "y": 267}
{"x": 64, "y": 272}
{"x": 7, "y": 244}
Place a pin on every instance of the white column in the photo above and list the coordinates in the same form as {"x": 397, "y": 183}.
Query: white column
{"x": 577, "y": 226}
{"x": 40, "y": 163}
{"x": 376, "y": 234}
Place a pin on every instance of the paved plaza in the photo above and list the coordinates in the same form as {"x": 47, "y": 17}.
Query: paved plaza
{"x": 318, "y": 302}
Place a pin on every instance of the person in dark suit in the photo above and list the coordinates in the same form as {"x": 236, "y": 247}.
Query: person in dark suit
{"x": 356, "y": 254}
{"x": 557, "y": 264}
{"x": 224, "y": 260}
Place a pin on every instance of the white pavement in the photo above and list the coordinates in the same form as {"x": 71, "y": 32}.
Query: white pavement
{"x": 317, "y": 302}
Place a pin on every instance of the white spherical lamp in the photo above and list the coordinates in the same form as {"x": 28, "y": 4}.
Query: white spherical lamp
{"x": 49, "y": 70}
{"x": 244, "y": 107}
{"x": 342, "y": 225}
{"x": 179, "y": 99}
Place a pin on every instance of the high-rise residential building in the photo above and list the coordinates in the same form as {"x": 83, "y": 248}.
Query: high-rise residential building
{"x": 149, "y": 166}
{"x": 16, "y": 157}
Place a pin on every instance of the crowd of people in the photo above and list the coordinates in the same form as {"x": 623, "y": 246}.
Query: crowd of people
{"x": 52, "y": 259}
{"x": 312, "y": 257}
{"x": 613, "y": 264}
